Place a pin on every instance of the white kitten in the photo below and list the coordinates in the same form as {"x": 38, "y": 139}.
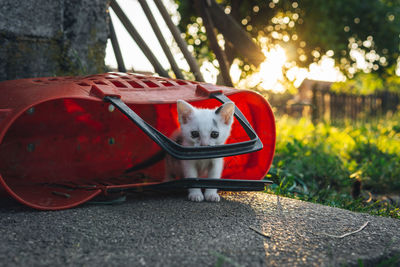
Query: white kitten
{"x": 201, "y": 127}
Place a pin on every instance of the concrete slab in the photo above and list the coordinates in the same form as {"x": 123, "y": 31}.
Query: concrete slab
{"x": 32, "y": 18}
{"x": 167, "y": 230}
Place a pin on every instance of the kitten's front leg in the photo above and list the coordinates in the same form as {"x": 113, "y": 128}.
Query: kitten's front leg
{"x": 190, "y": 171}
{"x": 195, "y": 195}
{"x": 215, "y": 172}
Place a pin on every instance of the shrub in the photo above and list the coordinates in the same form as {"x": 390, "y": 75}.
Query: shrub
{"x": 321, "y": 162}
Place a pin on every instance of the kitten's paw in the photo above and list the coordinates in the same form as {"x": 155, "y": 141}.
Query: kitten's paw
{"x": 212, "y": 196}
{"x": 196, "y": 196}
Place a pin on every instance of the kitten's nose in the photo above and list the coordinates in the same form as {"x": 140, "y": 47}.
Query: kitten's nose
{"x": 204, "y": 144}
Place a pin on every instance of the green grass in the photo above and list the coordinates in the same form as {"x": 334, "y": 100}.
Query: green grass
{"x": 320, "y": 163}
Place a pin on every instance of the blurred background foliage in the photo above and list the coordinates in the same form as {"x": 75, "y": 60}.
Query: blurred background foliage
{"x": 350, "y": 163}
{"x": 362, "y": 37}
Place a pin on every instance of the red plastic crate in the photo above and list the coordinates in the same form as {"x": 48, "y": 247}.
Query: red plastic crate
{"x": 62, "y": 145}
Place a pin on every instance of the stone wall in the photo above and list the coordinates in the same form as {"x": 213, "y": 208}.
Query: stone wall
{"x": 52, "y": 37}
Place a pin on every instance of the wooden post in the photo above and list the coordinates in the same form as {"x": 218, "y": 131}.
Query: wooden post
{"x": 136, "y": 36}
{"x": 372, "y": 105}
{"x": 323, "y": 110}
{"x": 161, "y": 39}
{"x": 181, "y": 43}
{"x": 327, "y": 106}
{"x": 362, "y": 108}
{"x": 212, "y": 39}
{"x": 314, "y": 105}
{"x": 117, "y": 50}
{"x": 230, "y": 50}
{"x": 358, "y": 110}
{"x": 234, "y": 33}
{"x": 333, "y": 106}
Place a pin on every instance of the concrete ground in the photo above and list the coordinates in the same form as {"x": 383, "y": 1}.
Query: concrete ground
{"x": 151, "y": 229}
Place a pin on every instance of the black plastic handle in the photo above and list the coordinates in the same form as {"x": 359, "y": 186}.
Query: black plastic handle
{"x": 185, "y": 183}
{"x": 204, "y": 152}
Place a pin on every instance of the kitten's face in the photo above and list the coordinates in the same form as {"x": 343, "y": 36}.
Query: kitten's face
{"x": 205, "y": 127}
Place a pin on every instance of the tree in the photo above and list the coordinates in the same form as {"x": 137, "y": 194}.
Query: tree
{"x": 362, "y": 36}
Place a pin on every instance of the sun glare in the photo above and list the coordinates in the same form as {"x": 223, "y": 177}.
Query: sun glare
{"x": 325, "y": 70}
{"x": 271, "y": 77}
{"x": 270, "y": 73}
{"x": 271, "y": 69}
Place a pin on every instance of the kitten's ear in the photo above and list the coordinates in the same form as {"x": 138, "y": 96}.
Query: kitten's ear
{"x": 226, "y": 112}
{"x": 185, "y": 110}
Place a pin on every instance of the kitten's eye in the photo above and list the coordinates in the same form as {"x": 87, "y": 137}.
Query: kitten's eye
{"x": 194, "y": 134}
{"x": 214, "y": 134}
